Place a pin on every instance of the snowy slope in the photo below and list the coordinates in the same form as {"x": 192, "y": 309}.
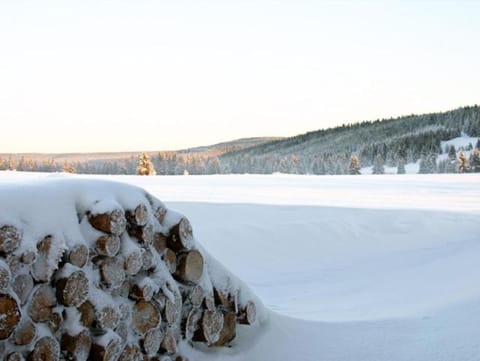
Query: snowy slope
{"x": 371, "y": 267}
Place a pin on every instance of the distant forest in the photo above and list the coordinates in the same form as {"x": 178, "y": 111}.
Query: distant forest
{"x": 388, "y": 142}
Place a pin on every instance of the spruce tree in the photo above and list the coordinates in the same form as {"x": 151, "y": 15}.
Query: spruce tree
{"x": 475, "y": 160}
{"x": 354, "y": 167}
{"x": 145, "y": 165}
{"x": 378, "y": 167}
{"x": 463, "y": 165}
{"x": 401, "y": 167}
{"x": 452, "y": 160}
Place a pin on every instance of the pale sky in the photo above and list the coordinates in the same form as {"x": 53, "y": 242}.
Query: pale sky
{"x": 92, "y": 75}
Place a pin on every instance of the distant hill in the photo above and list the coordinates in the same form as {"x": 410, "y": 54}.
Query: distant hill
{"x": 230, "y": 146}
{"x": 328, "y": 151}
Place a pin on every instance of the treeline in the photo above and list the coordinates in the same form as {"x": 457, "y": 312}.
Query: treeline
{"x": 388, "y": 142}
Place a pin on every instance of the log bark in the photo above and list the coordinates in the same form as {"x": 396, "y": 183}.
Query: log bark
{"x": 9, "y": 238}
{"x": 112, "y": 272}
{"x": 76, "y": 347}
{"x": 181, "y": 236}
{"x": 210, "y": 327}
{"x": 42, "y": 302}
{"x": 189, "y": 266}
{"x": 169, "y": 343}
{"x": 247, "y": 314}
{"x": 229, "y": 330}
{"x": 145, "y": 316}
{"x": 46, "y": 349}
{"x": 11, "y": 315}
{"x": 138, "y": 216}
{"x": 170, "y": 259}
{"x": 152, "y": 341}
{"x": 87, "y": 313}
{"x": 24, "y": 333}
{"x": 22, "y": 285}
{"x": 160, "y": 214}
{"x": 72, "y": 290}
{"x": 113, "y": 222}
{"x": 108, "y": 245}
{"x": 78, "y": 255}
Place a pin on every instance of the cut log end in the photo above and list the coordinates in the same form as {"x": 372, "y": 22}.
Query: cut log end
{"x": 145, "y": 316}
{"x": 210, "y": 328}
{"x": 181, "y": 236}
{"x": 76, "y": 347}
{"x": 9, "y": 238}
{"x": 113, "y": 222}
{"x": 108, "y": 245}
{"x": 78, "y": 255}
{"x": 24, "y": 333}
{"x": 46, "y": 349}
{"x": 248, "y": 314}
{"x": 189, "y": 266}
{"x": 72, "y": 290}
{"x": 41, "y": 304}
{"x": 138, "y": 216}
{"x": 10, "y": 312}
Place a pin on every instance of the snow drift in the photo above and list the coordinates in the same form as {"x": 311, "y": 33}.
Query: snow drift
{"x": 101, "y": 270}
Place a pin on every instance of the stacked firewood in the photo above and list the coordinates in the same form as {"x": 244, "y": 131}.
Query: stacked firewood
{"x": 131, "y": 289}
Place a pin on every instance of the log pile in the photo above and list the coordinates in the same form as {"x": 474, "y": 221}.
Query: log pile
{"x": 132, "y": 289}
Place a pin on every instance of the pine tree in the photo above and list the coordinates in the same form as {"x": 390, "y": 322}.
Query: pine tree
{"x": 145, "y": 165}
{"x": 463, "y": 165}
{"x": 475, "y": 160}
{"x": 401, "y": 167}
{"x": 378, "y": 167}
{"x": 452, "y": 160}
{"x": 354, "y": 167}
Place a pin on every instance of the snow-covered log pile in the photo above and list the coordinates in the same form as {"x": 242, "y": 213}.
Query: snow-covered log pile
{"x": 104, "y": 271}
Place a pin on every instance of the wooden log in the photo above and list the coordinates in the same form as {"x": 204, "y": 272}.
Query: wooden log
{"x": 133, "y": 263}
{"x": 14, "y": 263}
{"x": 25, "y": 332}
{"x": 169, "y": 343}
{"x": 78, "y": 255}
{"x": 125, "y": 311}
{"x": 46, "y": 349}
{"x": 144, "y": 234}
{"x": 170, "y": 259}
{"x": 22, "y": 285}
{"x": 76, "y": 347}
{"x": 9, "y": 238}
{"x": 210, "y": 327}
{"x": 122, "y": 330}
{"x": 112, "y": 272}
{"x": 229, "y": 330}
{"x": 41, "y": 304}
{"x": 247, "y": 314}
{"x": 189, "y": 266}
{"x": 87, "y": 313}
{"x": 113, "y": 222}
{"x": 196, "y": 296}
{"x": 28, "y": 257}
{"x": 160, "y": 214}
{"x": 106, "y": 317}
{"x": 108, "y": 245}
{"x": 132, "y": 352}
{"x": 48, "y": 258}
{"x": 72, "y": 290}
{"x": 142, "y": 291}
{"x": 14, "y": 356}
{"x": 147, "y": 259}
{"x": 209, "y": 302}
{"x": 107, "y": 347}
{"x": 181, "y": 236}
{"x": 159, "y": 242}
{"x": 4, "y": 275}
{"x": 55, "y": 322}
{"x": 145, "y": 316}
{"x": 223, "y": 300}
{"x": 10, "y": 315}
{"x": 192, "y": 324}
{"x": 151, "y": 342}
{"x": 138, "y": 216}
{"x": 170, "y": 311}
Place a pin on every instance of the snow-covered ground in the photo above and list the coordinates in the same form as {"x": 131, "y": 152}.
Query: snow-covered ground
{"x": 352, "y": 267}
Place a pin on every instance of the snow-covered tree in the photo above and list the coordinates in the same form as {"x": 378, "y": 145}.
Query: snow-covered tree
{"x": 145, "y": 165}
{"x": 378, "y": 167}
{"x": 463, "y": 164}
{"x": 354, "y": 167}
{"x": 452, "y": 160}
{"x": 401, "y": 166}
{"x": 475, "y": 160}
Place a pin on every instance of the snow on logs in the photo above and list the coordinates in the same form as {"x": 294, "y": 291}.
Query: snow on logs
{"x": 131, "y": 286}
